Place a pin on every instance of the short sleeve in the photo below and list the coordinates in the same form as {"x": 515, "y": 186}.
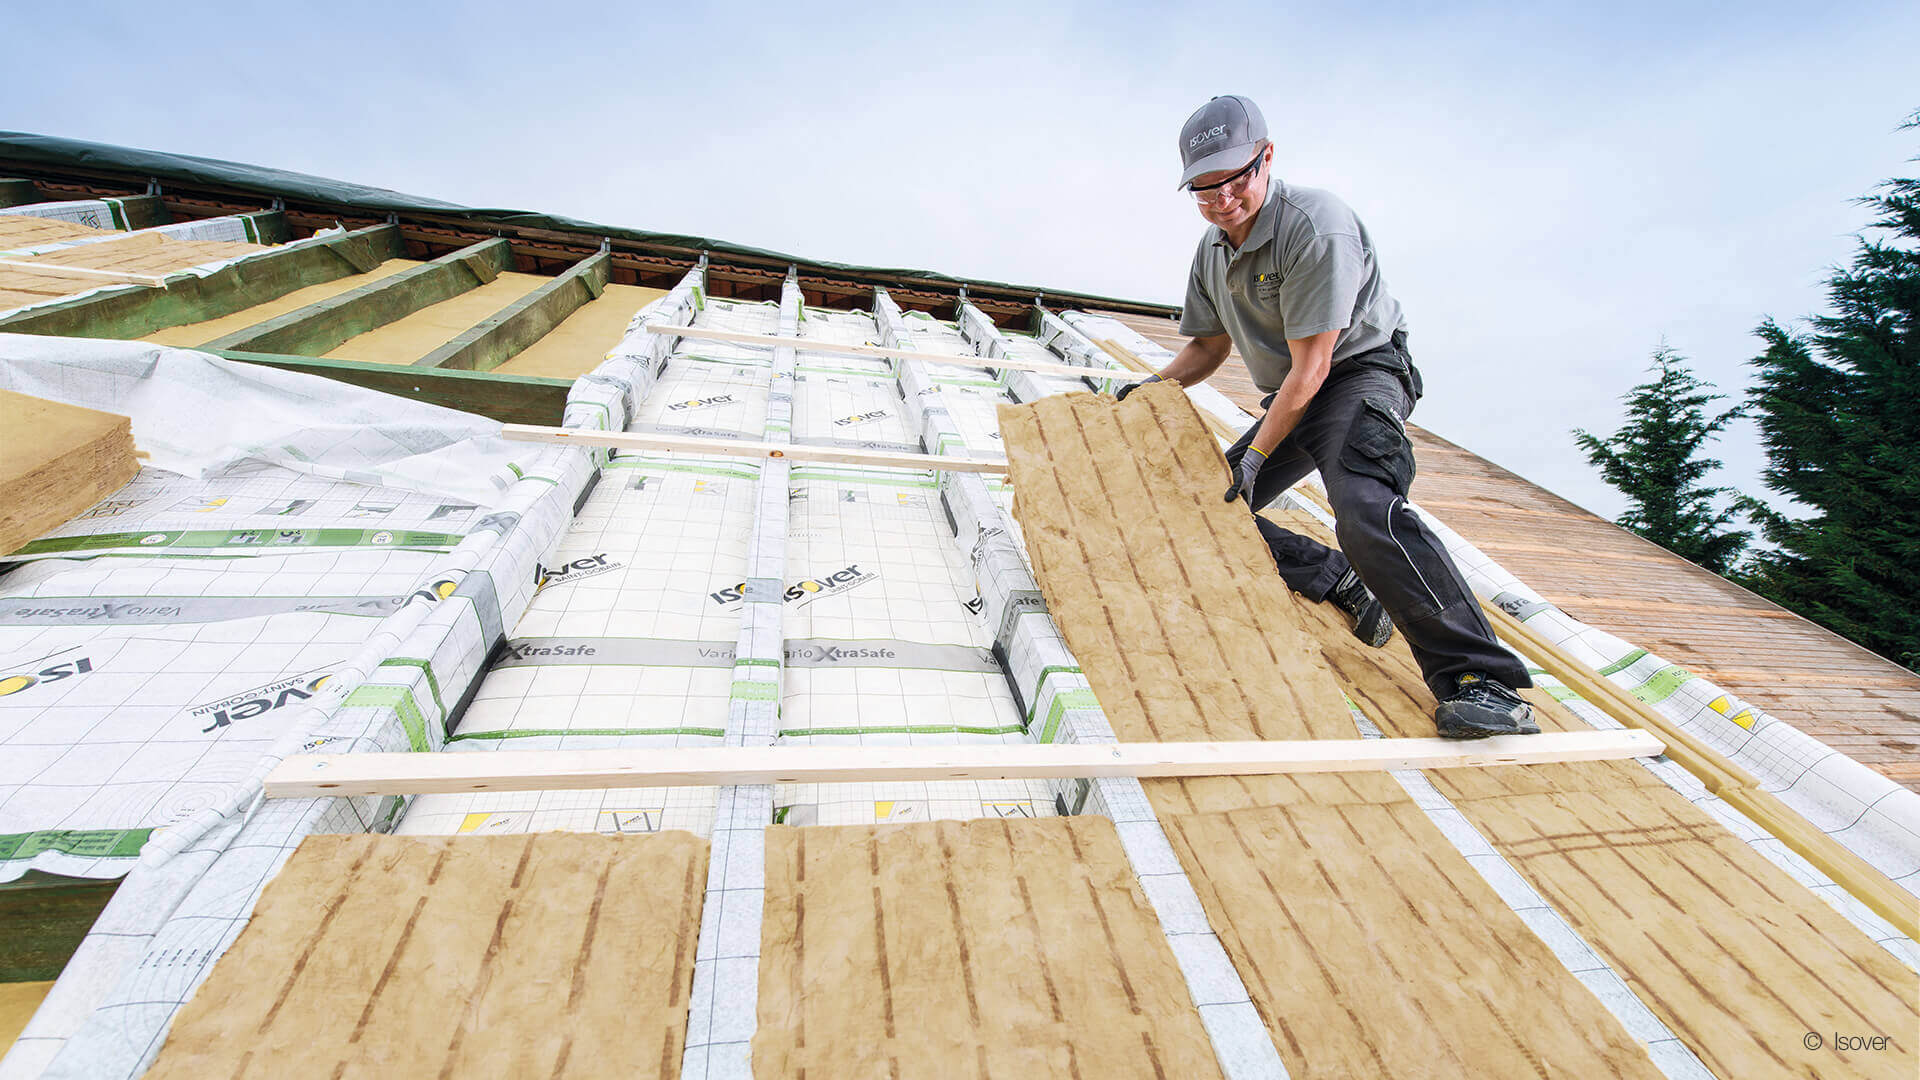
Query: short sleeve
{"x": 1322, "y": 285}
{"x": 1198, "y": 316}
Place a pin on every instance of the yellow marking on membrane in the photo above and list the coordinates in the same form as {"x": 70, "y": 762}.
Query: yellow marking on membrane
{"x": 1724, "y": 706}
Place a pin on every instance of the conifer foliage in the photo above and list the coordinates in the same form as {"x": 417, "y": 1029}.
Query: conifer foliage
{"x": 1839, "y": 413}
{"x": 1654, "y": 459}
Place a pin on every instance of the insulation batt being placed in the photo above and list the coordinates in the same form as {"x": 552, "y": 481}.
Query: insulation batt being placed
{"x": 449, "y": 592}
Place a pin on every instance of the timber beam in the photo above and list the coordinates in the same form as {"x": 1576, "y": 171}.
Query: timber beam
{"x": 142, "y": 212}
{"x": 266, "y": 227}
{"x": 877, "y": 352}
{"x": 495, "y": 340}
{"x": 748, "y": 448}
{"x": 510, "y": 399}
{"x": 319, "y": 775}
{"x": 190, "y": 298}
{"x": 318, "y": 327}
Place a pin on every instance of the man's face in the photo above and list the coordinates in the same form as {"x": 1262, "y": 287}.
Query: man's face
{"x": 1235, "y": 204}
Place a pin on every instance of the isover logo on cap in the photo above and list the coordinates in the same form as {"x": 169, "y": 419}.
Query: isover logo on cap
{"x": 1206, "y": 136}
{"x": 861, "y": 418}
{"x": 701, "y": 403}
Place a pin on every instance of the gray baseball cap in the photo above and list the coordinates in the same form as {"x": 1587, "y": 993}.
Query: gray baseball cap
{"x": 1220, "y": 135}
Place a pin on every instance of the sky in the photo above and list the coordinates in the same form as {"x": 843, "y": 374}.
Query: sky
{"x": 1554, "y": 190}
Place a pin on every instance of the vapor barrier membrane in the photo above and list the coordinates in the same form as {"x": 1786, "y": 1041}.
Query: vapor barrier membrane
{"x": 630, "y": 639}
{"x": 155, "y": 647}
{"x": 370, "y": 551}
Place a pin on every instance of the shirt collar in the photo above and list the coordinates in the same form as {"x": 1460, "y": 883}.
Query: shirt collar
{"x": 1266, "y": 224}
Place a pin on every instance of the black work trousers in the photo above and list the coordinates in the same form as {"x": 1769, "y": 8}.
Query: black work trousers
{"x": 1354, "y": 432}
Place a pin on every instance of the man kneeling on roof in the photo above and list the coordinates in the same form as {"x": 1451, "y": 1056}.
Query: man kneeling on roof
{"x": 1290, "y": 276}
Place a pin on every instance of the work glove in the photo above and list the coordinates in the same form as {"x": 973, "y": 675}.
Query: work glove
{"x": 1131, "y": 387}
{"x": 1245, "y": 472}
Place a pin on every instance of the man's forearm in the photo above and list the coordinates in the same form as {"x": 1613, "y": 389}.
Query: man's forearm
{"x": 1312, "y": 360}
{"x": 1195, "y": 361}
{"x": 1289, "y": 405}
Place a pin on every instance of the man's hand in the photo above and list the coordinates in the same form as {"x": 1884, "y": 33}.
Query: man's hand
{"x": 1121, "y": 394}
{"x": 1245, "y": 472}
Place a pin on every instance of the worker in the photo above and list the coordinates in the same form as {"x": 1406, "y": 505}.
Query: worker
{"x": 1290, "y": 276}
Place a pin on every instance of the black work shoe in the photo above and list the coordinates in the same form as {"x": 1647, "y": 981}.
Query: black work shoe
{"x": 1370, "y": 621}
{"x": 1480, "y": 707}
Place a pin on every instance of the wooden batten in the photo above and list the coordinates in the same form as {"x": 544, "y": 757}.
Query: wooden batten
{"x": 510, "y": 399}
{"x": 748, "y": 448}
{"x": 19, "y": 193}
{"x": 543, "y": 770}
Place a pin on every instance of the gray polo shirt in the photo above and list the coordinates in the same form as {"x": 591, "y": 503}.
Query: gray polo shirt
{"x": 1307, "y": 267}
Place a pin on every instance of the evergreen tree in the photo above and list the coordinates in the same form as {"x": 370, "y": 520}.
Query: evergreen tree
{"x": 1839, "y": 414}
{"x": 1654, "y": 460}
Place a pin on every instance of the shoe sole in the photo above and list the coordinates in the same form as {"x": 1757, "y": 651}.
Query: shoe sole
{"x": 1382, "y": 627}
{"x": 1380, "y": 636}
{"x": 1460, "y": 728}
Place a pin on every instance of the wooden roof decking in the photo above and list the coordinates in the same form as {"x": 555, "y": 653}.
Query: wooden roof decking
{"x": 1834, "y": 690}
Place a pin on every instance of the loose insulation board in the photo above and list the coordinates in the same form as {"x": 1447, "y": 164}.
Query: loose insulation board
{"x": 967, "y": 949}
{"x": 55, "y": 461}
{"x": 551, "y": 955}
{"x": 1169, "y": 600}
{"x": 200, "y": 333}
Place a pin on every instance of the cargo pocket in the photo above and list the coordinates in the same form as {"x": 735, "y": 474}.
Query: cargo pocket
{"x": 1377, "y": 446}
